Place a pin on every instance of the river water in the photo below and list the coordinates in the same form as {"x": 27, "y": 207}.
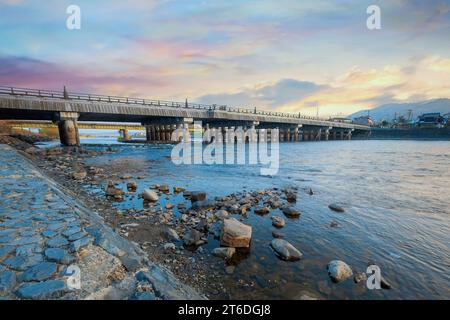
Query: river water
{"x": 397, "y": 200}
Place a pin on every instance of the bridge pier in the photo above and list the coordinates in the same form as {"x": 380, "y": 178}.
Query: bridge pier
{"x": 124, "y": 134}
{"x": 68, "y": 129}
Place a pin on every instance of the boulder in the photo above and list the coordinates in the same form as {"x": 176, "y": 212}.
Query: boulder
{"x": 285, "y": 250}
{"x": 278, "y": 222}
{"x": 235, "y": 234}
{"x": 224, "y": 253}
{"x": 291, "y": 212}
{"x": 338, "y": 270}
{"x": 291, "y": 197}
{"x": 150, "y": 195}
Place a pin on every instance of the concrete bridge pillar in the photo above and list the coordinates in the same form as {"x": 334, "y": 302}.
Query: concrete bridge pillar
{"x": 296, "y": 134}
{"x": 334, "y": 135}
{"x": 124, "y": 134}
{"x": 342, "y": 135}
{"x": 349, "y": 135}
{"x": 68, "y": 129}
{"x": 305, "y": 135}
{"x": 300, "y": 134}
{"x": 327, "y": 134}
{"x": 224, "y": 134}
{"x": 287, "y": 135}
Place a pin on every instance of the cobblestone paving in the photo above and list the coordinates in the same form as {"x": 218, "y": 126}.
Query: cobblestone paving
{"x": 43, "y": 231}
{"x": 40, "y": 234}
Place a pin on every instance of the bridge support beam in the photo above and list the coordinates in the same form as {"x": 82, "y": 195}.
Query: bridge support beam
{"x": 68, "y": 129}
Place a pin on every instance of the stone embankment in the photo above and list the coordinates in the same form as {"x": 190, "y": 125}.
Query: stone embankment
{"x": 48, "y": 240}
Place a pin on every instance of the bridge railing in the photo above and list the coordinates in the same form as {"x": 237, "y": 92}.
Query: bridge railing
{"x": 146, "y": 102}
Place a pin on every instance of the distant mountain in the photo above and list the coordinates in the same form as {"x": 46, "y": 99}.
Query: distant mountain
{"x": 387, "y": 111}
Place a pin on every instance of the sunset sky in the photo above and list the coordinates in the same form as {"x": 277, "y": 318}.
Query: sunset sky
{"x": 286, "y": 55}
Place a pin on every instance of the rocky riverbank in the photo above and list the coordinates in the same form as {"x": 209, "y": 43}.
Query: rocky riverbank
{"x": 200, "y": 239}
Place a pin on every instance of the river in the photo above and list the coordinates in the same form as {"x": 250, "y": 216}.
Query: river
{"x": 396, "y": 196}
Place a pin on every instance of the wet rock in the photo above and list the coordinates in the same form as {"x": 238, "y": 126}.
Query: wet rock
{"x": 150, "y": 195}
{"x": 291, "y": 197}
{"x": 261, "y": 210}
{"x": 336, "y": 207}
{"x": 112, "y": 191}
{"x": 192, "y": 238}
{"x": 285, "y": 250}
{"x": 39, "y": 272}
{"x": 178, "y": 189}
{"x": 198, "y": 196}
{"x": 80, "y": 175}
{"x": 291, "y": 212}
{"x": 311, "y": 192}
{"x": 235, "y": 234}
{"x": 132, "y": 185}
{"x": 144, "y": 296}
{"x": 338, "y": 270}
{"x": 360, "y": 276}
{"x": 221, "y": 214}
{"x": 7, "y": 281}
{"x": 80, "y": 243}
{"x": 224, "y": 253}
{"x": 278, "y": 222}
{"x": 384, "y": 283}
{"x": 42, "y": 290}
{"x": 169, "y": 206}
{"x": 277, "y": 234}
{"x": 164, "y": 188}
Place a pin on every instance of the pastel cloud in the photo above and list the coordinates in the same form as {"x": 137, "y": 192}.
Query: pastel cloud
{"x": 285, "y": 55}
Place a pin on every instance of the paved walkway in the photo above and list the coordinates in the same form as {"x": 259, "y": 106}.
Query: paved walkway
{"x": 43, "y": 231}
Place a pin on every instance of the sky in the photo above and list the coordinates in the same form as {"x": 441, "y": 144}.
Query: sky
{"x": 285, "y": 55}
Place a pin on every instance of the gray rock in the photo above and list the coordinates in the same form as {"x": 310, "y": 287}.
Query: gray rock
{"x": 130, "y": 263}
{"x": 192, "y": 237}
{"x": 261, "y": 210}
{"x": 150, "y": 195}
{"x": 291, "y": 212}
{"x": 224, "y": 253}
{"x": 49, "y": 234}
{"x": 203, "y": 204}
{"x": 81, "y": 243}
{"x": 28, "y": 249}
{"x": 59, "y": 255}
{"x": 57, "y": 242}
{"x": 235, "y": 234}
{"x": 39, "y": 272}
{"x": 338, "y": 270}
{"x": 278, "y": 222}
{"x": 336, "y": 207}
{"x": 285, "y": 250}
{"x": 230, "y": 269}
{"x": 7, "y": 281}
{"x": 42, "y": 290}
